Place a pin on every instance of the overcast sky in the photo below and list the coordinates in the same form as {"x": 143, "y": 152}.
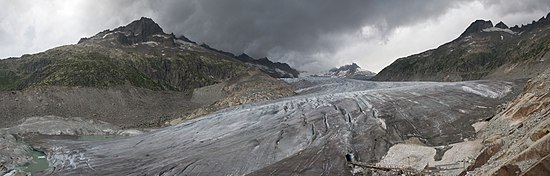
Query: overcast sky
{"x": 310, "y": 35}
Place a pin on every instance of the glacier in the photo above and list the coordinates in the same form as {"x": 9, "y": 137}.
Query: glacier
{"x": 307, "y": 134}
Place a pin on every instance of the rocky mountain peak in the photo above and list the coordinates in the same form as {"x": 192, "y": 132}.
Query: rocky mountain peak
{"x": 477, "y": 26}
{"x": 274, "y": 69}
{"x": 183, "y": 38}
{"x": 142, "y": 30}
{"x": 533, "y": 25}
{"x": 144, "y": 26}
{"x": 544, "y": 20}
{"x": 352, "y": 70}
{"x": 245, "y": 57}
{"x": 501, "y": 25}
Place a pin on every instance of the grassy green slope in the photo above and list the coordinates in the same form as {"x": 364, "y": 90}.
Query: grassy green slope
{"x": 475, "y": 56}
{"x": 98, "y": 66}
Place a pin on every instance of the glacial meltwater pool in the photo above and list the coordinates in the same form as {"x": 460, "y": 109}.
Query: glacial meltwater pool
{"x": 38, "y": 164}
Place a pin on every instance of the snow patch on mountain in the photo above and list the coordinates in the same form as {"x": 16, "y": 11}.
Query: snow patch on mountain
{"x": 150, "y": 43}
{"x": 495, "y": 29}
{"x": 352, "y": 70}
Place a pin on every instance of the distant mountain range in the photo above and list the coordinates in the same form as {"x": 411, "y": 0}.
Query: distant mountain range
{"x": 274, "y": 69}
{"x": 352, "y": 71}
{"x": 482, "y": 51}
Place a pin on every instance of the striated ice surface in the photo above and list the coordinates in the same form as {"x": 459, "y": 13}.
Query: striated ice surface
{"x": 307, "y": 134}
{"x": 486, "y": 91}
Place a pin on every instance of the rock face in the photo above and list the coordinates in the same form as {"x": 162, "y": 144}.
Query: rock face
{"x": 141, "y": 30}
{"x": 481, "y": 52}
{"x": 501, "y": 25}
{"x": 142, "y": 27}
{"x": 138, "y": 31}
{"x": 477, "y": 26}
{"x": 274, "y": 69}
{"x": 521, "y": 132}
{"x": 308, "y": 134}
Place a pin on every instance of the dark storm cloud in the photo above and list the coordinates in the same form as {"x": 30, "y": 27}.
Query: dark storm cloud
{"x": 290, "y": 26}
{"x": 508, "y": 7}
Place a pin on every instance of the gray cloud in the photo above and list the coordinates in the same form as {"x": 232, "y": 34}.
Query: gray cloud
{"x": 305, "y": 34}
{"x": 302, "y": 28}
{"x": 507, "y": 7}
{"x": 519, "y": 12}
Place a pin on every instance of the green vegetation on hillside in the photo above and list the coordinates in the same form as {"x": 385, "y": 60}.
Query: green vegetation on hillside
{"x": 477, "y": 55}
{"x": 98, "y": 66}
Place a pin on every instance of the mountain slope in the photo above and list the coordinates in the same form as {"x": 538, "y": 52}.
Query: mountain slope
{"x": 516, "y": 139}
{"x": 139, "y": 55}
{"x": 274, "y": 69}
{"x": 483, "y": 51}
{"x": 132, "y": 76}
